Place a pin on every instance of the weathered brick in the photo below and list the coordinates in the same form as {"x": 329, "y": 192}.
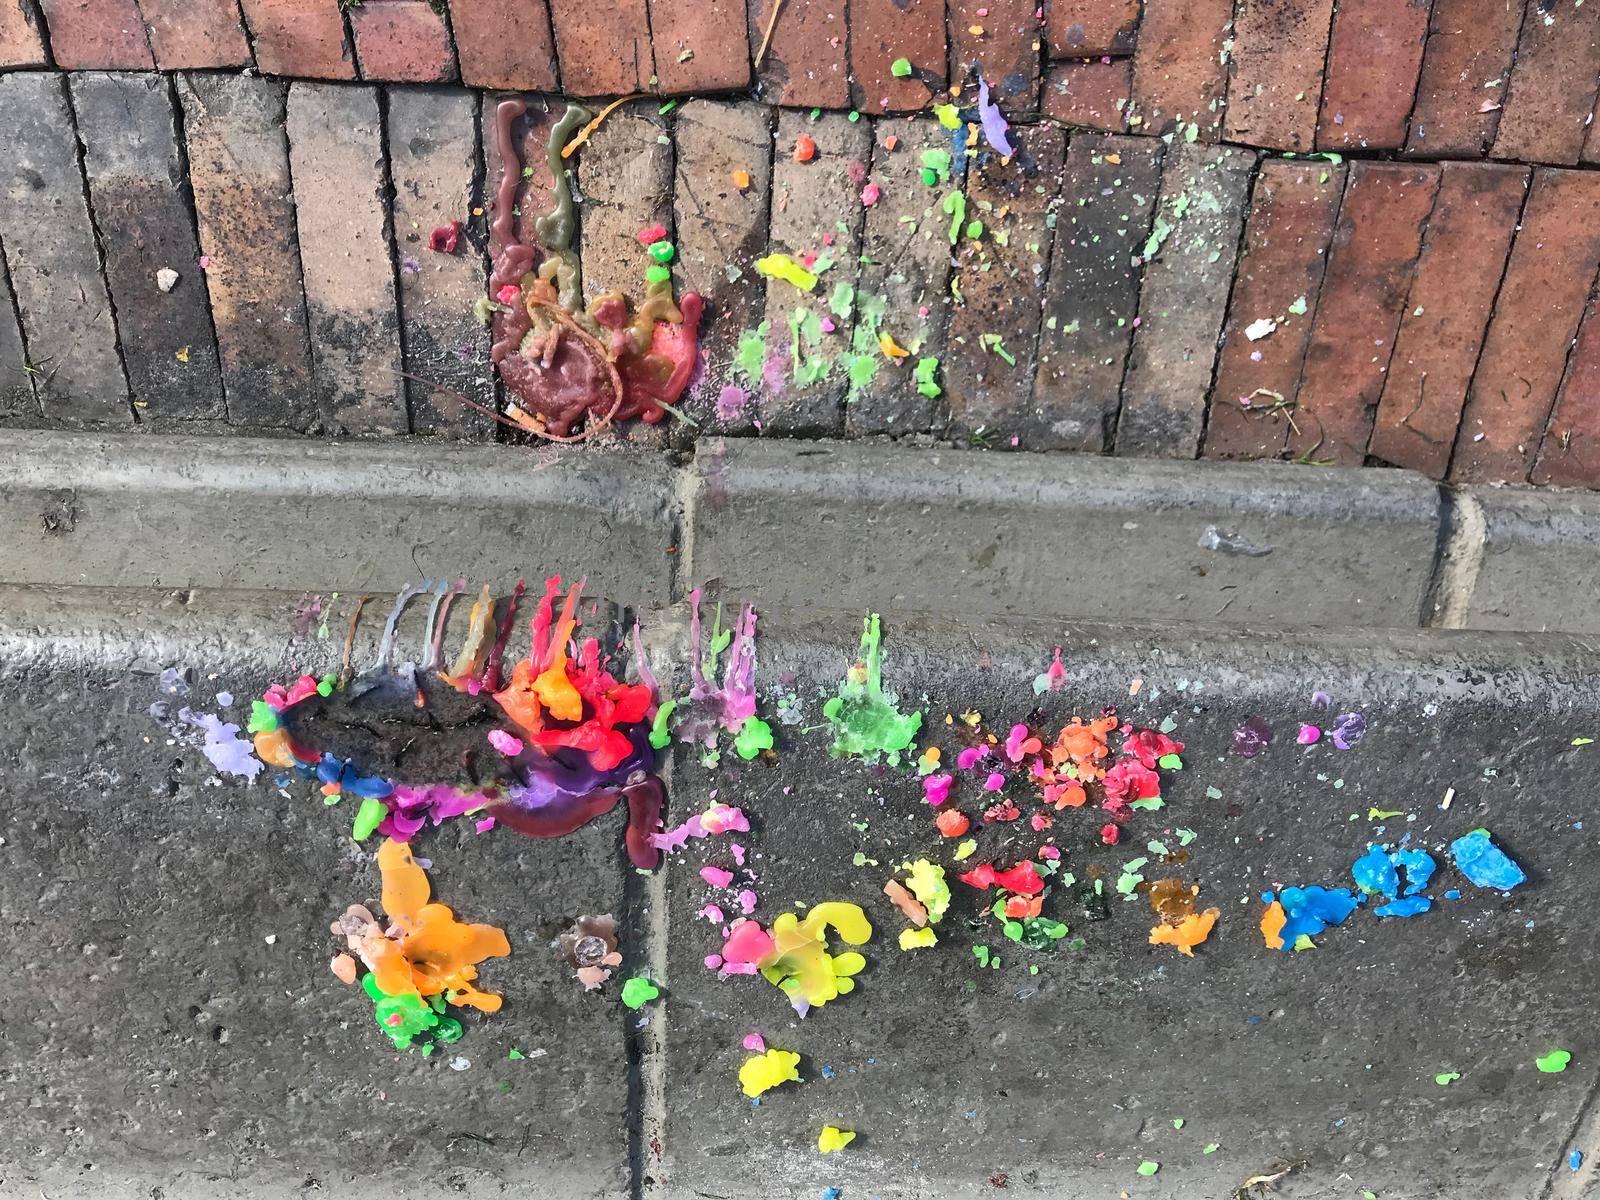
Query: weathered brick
{"x": 187, "y": 34}
{"x": 136, "y": 186}
{"x": 97, "y": 35}
{"x": 1553, "y": 85}
{"x": 1006, "y": 53}
{"x": 712, "y": 33}
{"x": 805, "y": 62}
{"x": 1370, "y": 267}
{"x": 816, "y": 210}
{"x": 21, "y": 44}
{"x": 1177, "y": 71}
{"x": 1373, "y": 60}
{"x": 1571, "y": 451}
{"x": 1092, "y": 298}
{"x": 1548, "y": 280}
{"x": 239, "y": 170}
{"x": 402, "y": 41}
{"x": 1002, "y": 284}
{"x": 433, "y": 155}
{"x": 1292, "y": 214}
{"x": 1090, "y": 28}
{"x": 625, "y": 176}
{"x": 1470, "y": 44}
{"x": 1093, "y": 93}
{"x": 18, "y": 404}
{"x": 1183, "y": 298}
{"x": 505, "y": 44}
{"x": 336, "y": 159}
{"x": 299, "y": 40}
{"x": 53, "y": 259}
{"x": 1591, "y": 146}
{"x": 1463, "y": 257}
{"x": 882, "y": 31}
{"x": 1275, "y": 73}
{"x": 604, "y": 49}
{"x": 721, "y": 231}
{"x": 907, "y": 265}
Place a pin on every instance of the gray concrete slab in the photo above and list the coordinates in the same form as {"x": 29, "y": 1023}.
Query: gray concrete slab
{"x": 961, "y": 1081}
{"x": 171, "y": 1027}
{"x": 245, "y": 513}
{"x": 1538, "y": 560}
{"x": 1061, "y": 535}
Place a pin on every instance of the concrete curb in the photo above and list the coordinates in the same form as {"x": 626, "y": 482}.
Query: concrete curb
{"x": 1057, "y": 537}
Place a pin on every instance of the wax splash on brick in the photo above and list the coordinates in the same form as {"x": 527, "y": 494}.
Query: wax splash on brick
{"x": 566, "y": 364}
{"x": 1179, "y": 924}
{"x": 426, "y": 958}
{"x": 224, "y": 749}
{"x": 866, "y": 722}
{"x": 590, "y": 948}
{"x": 1378, "y": 873}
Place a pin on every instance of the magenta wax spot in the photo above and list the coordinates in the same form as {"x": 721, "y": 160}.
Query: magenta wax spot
{"x": 755, "y": 1043}
{"x": 713, "y": 962}
{"x": 828, "y": 326}
{"x": 738, "y": 968}
{"x": 509, "y": 294}
{"x": 936, "y": 788}
{"x": 1049, "y": 852}
{"x": 1308, "y": 735}
{"x": 747, "y": 943}
{"x": 869, "y": 195}
{"x": 994, "y": 782}
{"x": 485, "y": 825}
{"x": 716, "y": 876}
{"x": 714, "y": 914}
{"x": 1251, "y": 738}
{"x": 205, "y": 261}
{"x": 747, "y": 901}
{"x": 735, "y": 849}
{"x": 1321, "y": 699}
{"x": 505, "y": 743}
{"x": 731, "y": 402}
{"x": 969, "y": 756}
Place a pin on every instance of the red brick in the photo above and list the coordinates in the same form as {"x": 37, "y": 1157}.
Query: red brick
{"x": 884, "y": 30}
{"x": 299, "y": 40}
{"x": 1463, "y": 257}
{"x": 816, "y": 209}
{"x": 1090, "y": 28}
{"x": 336, "y": 157}
{"x": 719, "y": 225}
{"x": 1553, "y": 84}
{"x": 1177, "y": 71}
{"x": 1292, "y": 215}
{"x": 21, "y": 44}
{"x": 97, "y": 35}
{"x": 433, "y": 153}
{"x": 1183, "y": 298}
{"x": 1109, "y": 192}
{"x": 146, "y": 226}
{"x": 805, "y": 63}
{"x": 1275, "y": 73}
{"x": 1470, "y": 43}
{"x": 1006, "y": 52}
{"x": 906, "y": 260}
{"x": 713, "y": 32}
{"x": 604, "y": 48}
{"x": 239, "y": 172}
{"x": 1370, "y": 267}
{"x": 1548, "y": 280}
{"x": 195, "y": 33}
{"x": 1002, "y": 288}
{"x": 1571, "y": 450}
{"x": 402, "y": 41}
{"x": 1092, "y": 93}
{"x": 505, "y": 44}
{"x": 1373, "y": 60}
{"x": 50, "y": 248}
{"x": 1591, "y": 147}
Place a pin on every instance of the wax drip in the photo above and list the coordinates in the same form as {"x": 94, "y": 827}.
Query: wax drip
{"x": 436, "y": 644}
{"x": 480, "y": 625}
{"x": 438, "y": 590}
{"x": 491, "y": 672}
{"x": 555, "y": 229}
{"x": 386, "y": 647}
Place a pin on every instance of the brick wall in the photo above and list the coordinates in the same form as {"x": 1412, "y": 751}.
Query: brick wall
{"x": 1364, "y": 232}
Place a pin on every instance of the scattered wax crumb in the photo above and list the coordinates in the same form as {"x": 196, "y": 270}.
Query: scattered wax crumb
{"x": 831, "y": 1139}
